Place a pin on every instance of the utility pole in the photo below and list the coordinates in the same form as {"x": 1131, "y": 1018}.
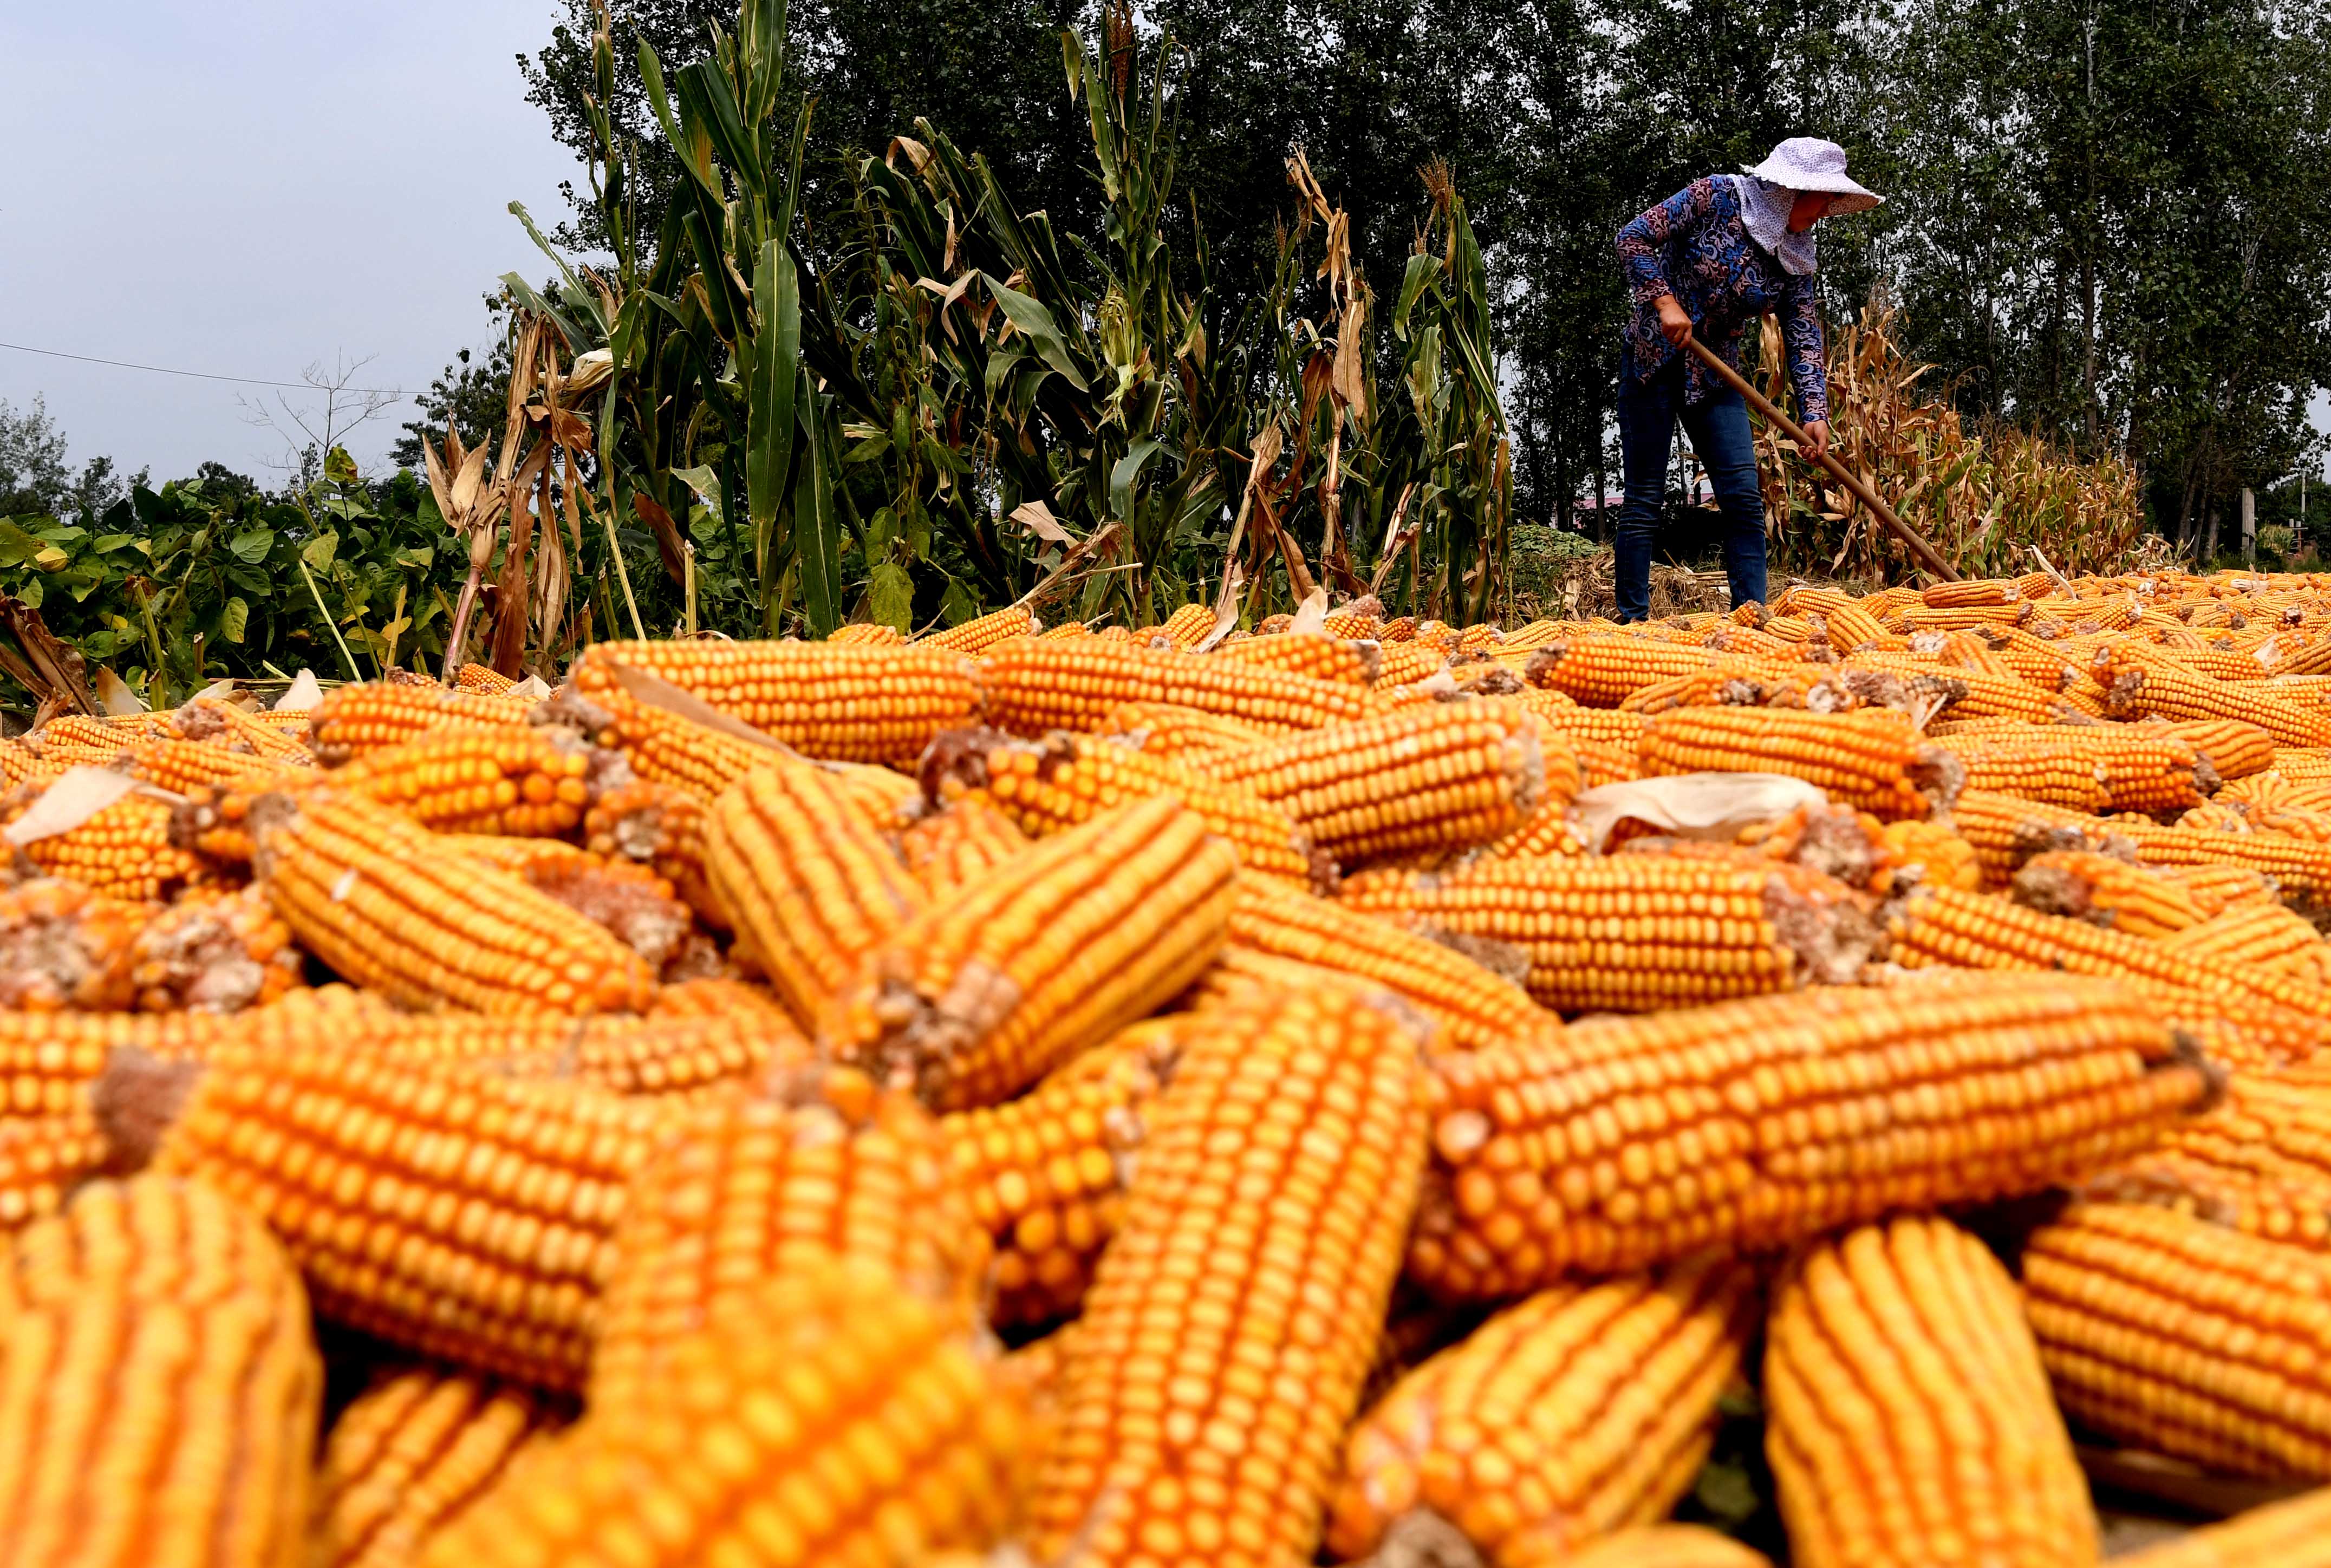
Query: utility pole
{"x": 2250, "y": 528}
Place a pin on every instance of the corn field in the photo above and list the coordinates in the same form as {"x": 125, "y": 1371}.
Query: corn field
{"x": 1985, "y": 497}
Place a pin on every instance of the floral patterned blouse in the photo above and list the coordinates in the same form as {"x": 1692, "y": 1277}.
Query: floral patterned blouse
{"x": 1693, "y": 245}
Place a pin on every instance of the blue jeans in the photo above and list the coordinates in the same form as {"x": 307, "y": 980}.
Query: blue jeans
{"x": 1719, "y": 429}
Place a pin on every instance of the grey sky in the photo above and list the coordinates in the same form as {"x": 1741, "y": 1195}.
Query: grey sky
{"x": 247, "y": 186}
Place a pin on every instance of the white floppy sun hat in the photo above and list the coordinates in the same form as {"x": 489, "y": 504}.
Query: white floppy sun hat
{"x": 1807, "y": 162}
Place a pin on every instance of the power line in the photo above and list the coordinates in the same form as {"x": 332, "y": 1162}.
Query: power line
{"x": 202, "y": 375}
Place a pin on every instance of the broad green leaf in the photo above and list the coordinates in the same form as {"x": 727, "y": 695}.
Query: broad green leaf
{"x": 234, "y": 620}
{"x": 319, "y": 551}
{"x": 340, "y": 467}
{"x": 1126, "y": 475}
{"x": 891, "y": 595}
{"x": 109, "y": 543}
{"x": 1031, "y": 318}
{"x": 866, "y": 451}
{"x": 817, "y": 531}
{"x": 251, "y": 545}
{"x": 772, "y": 373}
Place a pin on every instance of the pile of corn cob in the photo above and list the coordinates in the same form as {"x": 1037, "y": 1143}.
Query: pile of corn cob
{"x": 455, "y": 1129}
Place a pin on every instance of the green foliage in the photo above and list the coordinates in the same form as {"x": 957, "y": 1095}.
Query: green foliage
{"x": 206, "y": 577}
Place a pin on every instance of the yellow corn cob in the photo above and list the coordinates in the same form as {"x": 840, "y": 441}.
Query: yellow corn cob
{"x": 868, "y": 634}
{"x": 273, "y": 738}
{"x": 1187, "y": 624}
{"x": 2215, "y": 890}
{"x": 1229, "y": 1325}
{"x": 1939, "y": 926}
{"x": 524, "y": 782}
{"x": 1960, "y": 617}
{"x": 21, "y": 764}
{"x": 1871, "y": 760}
{"x": 162, "y": 1385}
{"x": 411, "y": 1452}
{"x": 1752, "y": 1124}
{"x": 2089, "y": 768}
{"x": 1113, "y": 634}
{"x": 986, "y": 991}
{"x": 2295, "y": 1533}
{"x": 1970, "y": 591}
{"x": 368, "y": 717}
{"x": 2160, "y": 691}
{"x": 2235, "y": 749}
{"x": 1637, "y": 933}
{"x": 1584, "y": 1409}
{"x": 185, "y": 766}
{"x": 1362, "y": 617}
{"x": 1034, "y": 685}
{"x": 42, "y": 1159}
{"x": 2107, "y": 890}
{"x": 1064, "y": 631}
{"x": 1849, "y": 624}
{"x": 2261, "y": 1159}
{"x": 1604, "y": 672}
{"x": 2268, "y": 935}
{"x": 717, "y": 997}
{"x": 378, "y": 899}
{"x": 1190, "y": 734}
{"x": 2187, "y": 1337}
{"x": 1309, "y": 654}
{"x": 662, "y": 746}
{"x": 2007, "y": 830}
{"x": 1434, "y": 779}
{"x": 1046, "y": 1174}
{"x": 124, "y": 851}
{"x": 1910, "y": 1421}
{"x": 823, "y": 1163}
{"x": 454, "y": 1211}
{"x": 1666, "y": 1546}
{"x": 1066, "y": 780}
{"x": 978, "y": 635}
{"x": 1941, "y": 857}
{"x": 2300, "y": 867}
{"x": 831, "y": 1418}
{"x": 954, "y": 846}
{"x": 850, "y": 704}
{"x": 807, "y": 881}
{"x": 1468, "y": 1004}
{"x": 629, "y": 1056}
{"x": 481, "y": 678}
{"x": 1402, "y": 664}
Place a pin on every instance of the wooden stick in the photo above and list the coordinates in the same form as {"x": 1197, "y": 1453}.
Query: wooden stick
{"x": 1929, "y": 556}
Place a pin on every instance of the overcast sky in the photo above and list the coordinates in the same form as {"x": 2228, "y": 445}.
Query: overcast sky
{"x": 249, "y": 186}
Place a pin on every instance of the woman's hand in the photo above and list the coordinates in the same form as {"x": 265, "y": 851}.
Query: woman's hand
{"x": 1674, "y": 324}
{"x": 1817, "y": 432}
